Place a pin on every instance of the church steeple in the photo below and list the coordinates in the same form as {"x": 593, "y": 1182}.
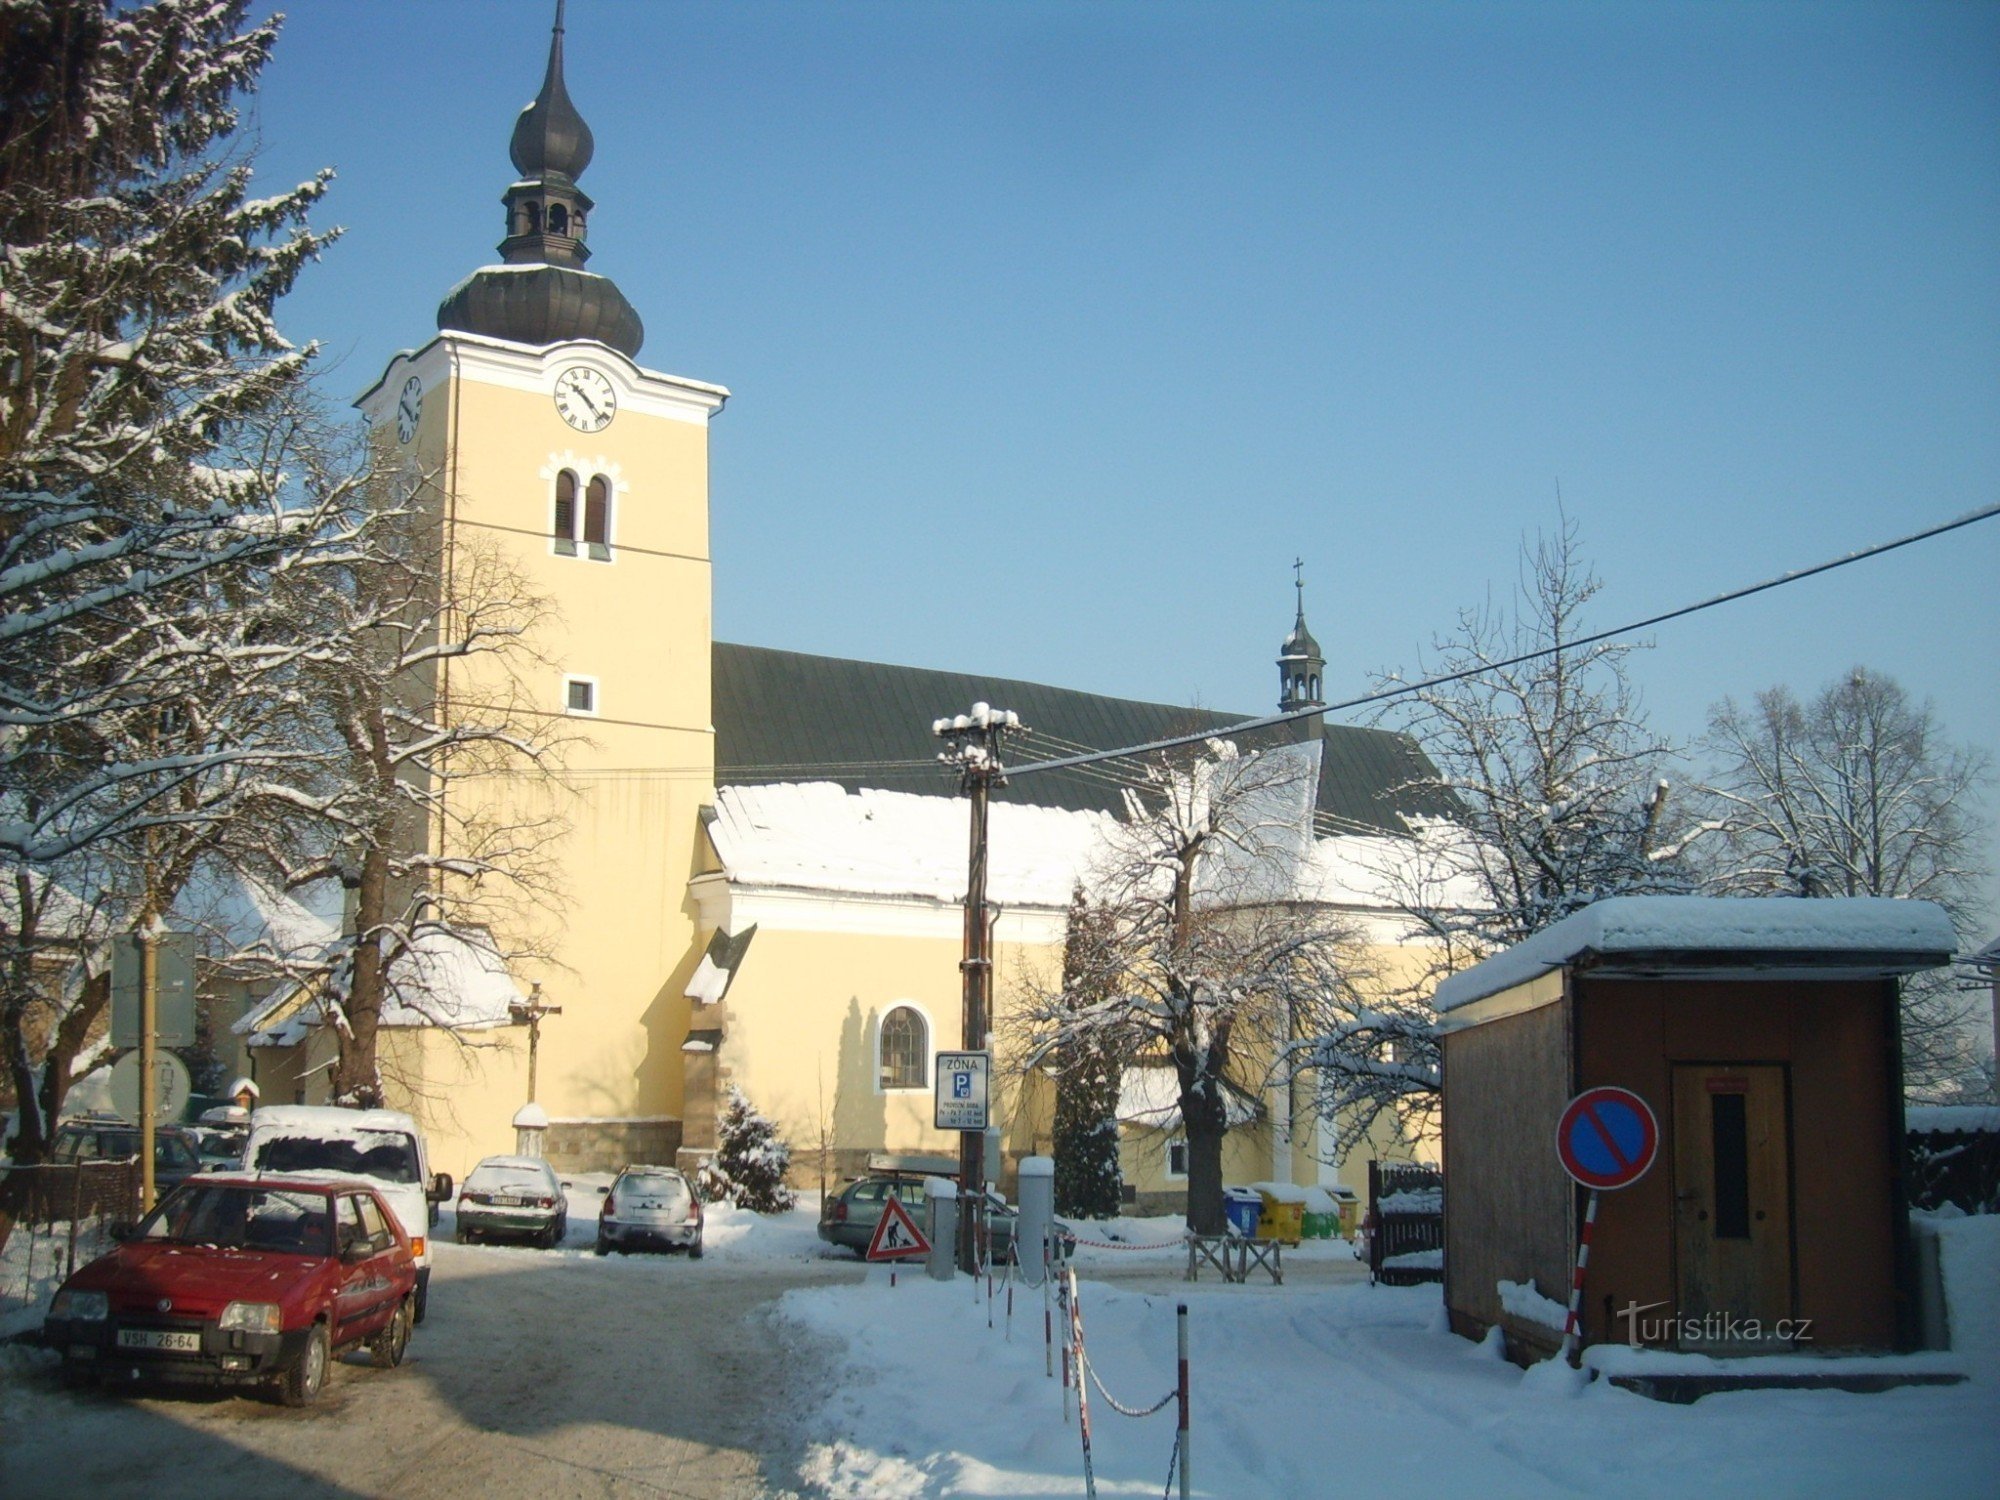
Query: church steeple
{"x": 551, "y": 297}
{"x": 1300, "y": 665}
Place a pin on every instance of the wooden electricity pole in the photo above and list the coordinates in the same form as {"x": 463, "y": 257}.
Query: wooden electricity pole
{"x": 973, "y": 748}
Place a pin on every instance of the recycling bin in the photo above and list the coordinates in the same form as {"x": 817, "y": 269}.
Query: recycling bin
{"x": 1282, "y": 1217}
{"x": 1242, "y": 1208}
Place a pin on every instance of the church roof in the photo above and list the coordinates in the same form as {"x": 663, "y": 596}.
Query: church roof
{"x": 787, "y": 716}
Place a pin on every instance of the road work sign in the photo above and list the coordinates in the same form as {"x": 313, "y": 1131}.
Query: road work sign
{"x": 896, "y": 1234}
{"x": 961, "y": 1090}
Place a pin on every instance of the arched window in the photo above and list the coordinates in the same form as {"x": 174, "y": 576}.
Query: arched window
{"x": 905, "y": 1041}
{"x": 597, "y": 518}
{"x": 558, "y": 219}
{"x": 564, "y": 529}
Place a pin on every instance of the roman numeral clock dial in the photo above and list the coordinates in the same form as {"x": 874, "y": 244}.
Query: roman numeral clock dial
{"x": 585, "y": 398}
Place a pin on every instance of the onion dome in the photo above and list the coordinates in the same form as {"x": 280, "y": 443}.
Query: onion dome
{"x": 542, "y": 294}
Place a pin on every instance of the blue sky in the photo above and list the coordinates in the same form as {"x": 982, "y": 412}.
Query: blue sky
{"x": 1056, "y": 331}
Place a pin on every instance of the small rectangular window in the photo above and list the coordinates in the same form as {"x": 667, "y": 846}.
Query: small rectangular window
{"x": 1177, "y": 1158}
{"x": 580, "y": 695}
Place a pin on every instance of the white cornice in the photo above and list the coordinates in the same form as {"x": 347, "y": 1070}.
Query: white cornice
{"x": 534, "y": 367}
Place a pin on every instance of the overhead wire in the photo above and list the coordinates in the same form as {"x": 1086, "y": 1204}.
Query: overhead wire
{"x": 1444, "y": 679}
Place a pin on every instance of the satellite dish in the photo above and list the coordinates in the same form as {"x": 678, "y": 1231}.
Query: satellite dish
{"x": 171, "y": 1086}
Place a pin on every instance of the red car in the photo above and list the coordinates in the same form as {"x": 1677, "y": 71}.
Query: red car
{"x": 240, "y": 1280}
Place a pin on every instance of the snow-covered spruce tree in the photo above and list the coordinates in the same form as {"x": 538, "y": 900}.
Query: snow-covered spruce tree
{"x": 750, "y": 1159}
{"x": 1208, "y": 961}
{"x": 1855, "y": 792}
{"x": 136, "y": 331}
{"x": 1539, "y": 738}
{"x": 1088, "y": 1181}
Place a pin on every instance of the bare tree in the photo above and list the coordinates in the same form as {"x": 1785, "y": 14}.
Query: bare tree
{"x": 440, "y": 802}
{"x": 1539, "y": 738}
{"x": 1856, "y": 792}
{"x": 1199, "y": 946}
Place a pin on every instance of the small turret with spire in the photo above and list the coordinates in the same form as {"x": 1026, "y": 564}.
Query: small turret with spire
{"x": 542, "y": 295}
{"x": 1300, "y": 665}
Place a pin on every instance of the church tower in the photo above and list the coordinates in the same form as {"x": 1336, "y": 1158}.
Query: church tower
{"x": 546, "y": 448}
{"x": 1300, "y": 665}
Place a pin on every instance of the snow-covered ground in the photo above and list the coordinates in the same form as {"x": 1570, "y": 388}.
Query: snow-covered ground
{"x": 1306, "y": 1391}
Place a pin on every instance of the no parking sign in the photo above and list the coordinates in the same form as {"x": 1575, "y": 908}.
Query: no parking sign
{"x": 1607, "y": 1138}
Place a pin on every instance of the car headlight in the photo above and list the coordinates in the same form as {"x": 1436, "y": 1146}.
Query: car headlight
{"x": 250, "y": 1317}
{"x": 84, "y": 1307}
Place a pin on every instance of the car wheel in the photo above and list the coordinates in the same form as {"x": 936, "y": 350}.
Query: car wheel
{"x": 600, "y": 1247}
{"x": 423, "y": 1294}
{"x": 555, "y": 1235}
{"x": 302, "y": 1383}
{"x": 388, "y": 1346}
{"x": 694, "y": 1250}
{"x": 468, "y": 1236}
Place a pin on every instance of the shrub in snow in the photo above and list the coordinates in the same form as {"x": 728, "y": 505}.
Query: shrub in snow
{"x": 750, "y": 1160}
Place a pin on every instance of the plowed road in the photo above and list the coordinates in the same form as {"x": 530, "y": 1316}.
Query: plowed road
{"x": 536, "y": 1373}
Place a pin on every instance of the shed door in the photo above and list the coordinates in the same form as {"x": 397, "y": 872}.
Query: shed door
{"x": 1732, "y": 1189}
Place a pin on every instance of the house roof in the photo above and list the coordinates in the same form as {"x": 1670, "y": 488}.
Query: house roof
{"x": 1769, "y": 937}
{"x": 787, "y": 716}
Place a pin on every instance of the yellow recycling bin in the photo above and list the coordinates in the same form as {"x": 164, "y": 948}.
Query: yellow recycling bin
{"x": 1283, "y": 1218}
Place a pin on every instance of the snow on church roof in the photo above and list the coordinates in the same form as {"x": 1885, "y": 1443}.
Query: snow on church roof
{"x": 1767, "y": 935}
{"x": 820, "y": 836}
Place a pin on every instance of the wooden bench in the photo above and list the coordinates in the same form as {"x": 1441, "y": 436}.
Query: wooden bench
{"x": 1235, "y": 1257}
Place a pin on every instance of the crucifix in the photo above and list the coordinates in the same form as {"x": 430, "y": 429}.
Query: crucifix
{"x": 530, "y": 1014}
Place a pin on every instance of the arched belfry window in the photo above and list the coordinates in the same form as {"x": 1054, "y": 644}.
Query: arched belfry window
{"x": 904, "y": 1045}
{"x": 564, "y": 529}
{"x": 558, "y": 219}
{"x": 597, "y": 518}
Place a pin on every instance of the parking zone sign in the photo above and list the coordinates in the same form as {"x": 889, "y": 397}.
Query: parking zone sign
{"x": 961, "y": 1090}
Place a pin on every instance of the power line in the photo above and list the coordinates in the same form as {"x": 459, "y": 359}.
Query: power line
{"x": 1271, "y": 720}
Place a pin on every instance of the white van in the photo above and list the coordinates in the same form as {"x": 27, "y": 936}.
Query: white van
{"x": 383, "y": 1147}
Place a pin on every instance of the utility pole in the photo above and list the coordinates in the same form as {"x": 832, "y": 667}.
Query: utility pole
{"x": 972, "y": 744}
{"x": 531, "y": 1013}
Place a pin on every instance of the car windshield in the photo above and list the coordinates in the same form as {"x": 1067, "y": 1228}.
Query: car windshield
{"x": 384, "y": 1155}
{"x": 235, "y": 1217}
{"x": 510, "y": 1179}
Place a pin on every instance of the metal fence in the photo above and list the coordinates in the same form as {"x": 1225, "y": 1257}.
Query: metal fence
{"x": 1405, "y": 1223}
{"x": 64, "y": 1221}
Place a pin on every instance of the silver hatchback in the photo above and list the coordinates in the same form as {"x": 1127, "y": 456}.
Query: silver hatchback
{"x": 650, "y": 1208}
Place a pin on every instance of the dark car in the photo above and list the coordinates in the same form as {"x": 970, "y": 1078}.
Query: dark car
{"x": 98, "y": 1138}
{"x": 512, "y": 1197}
{"x": 849, "y": 1217}
{"x": 242, "y": 1280}
{"x": 650, "y": 1208}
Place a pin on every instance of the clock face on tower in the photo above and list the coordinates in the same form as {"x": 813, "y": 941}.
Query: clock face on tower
{"x": 409, "y": 408}
{"x": 585, "y": 398}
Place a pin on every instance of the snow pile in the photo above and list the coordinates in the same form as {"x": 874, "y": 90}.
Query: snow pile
{"x": 1524, "y": 1301}
{"x": 1969, "y": 1258}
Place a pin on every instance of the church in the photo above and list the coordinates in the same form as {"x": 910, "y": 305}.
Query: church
{"x": 763, "y": 865}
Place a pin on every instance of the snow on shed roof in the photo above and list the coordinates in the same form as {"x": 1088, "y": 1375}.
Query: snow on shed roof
{"x": 1767, "y": 936}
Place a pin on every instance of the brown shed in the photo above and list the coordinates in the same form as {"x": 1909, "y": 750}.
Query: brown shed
{"x": 1764, "y": 1035}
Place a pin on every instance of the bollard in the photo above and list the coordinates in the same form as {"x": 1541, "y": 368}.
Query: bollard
{"x": 1181, "y": 1437}
{"x": 941, "y": 1204}
{"x": 1037, "y": 1189}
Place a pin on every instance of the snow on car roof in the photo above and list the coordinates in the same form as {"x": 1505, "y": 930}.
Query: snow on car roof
{"x": 1769, "y": 936}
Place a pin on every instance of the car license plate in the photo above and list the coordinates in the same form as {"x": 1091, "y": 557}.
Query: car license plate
{"x": 159, "y": 1338}
{"x": 501, "y": 1200}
